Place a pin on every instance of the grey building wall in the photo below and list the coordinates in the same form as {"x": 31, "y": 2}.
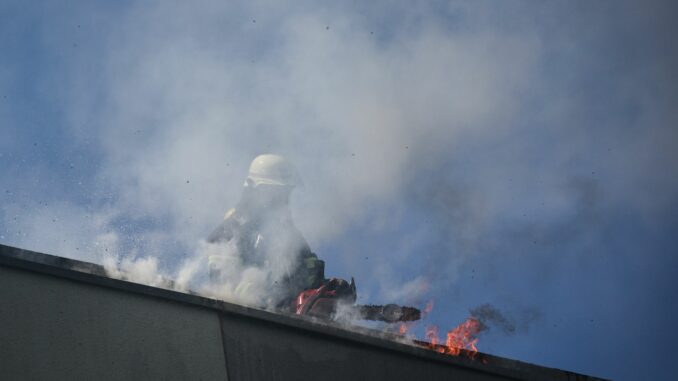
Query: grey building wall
{"x": 55, "y": 329}
{"x": 265, "y": 352}
{"x": 65, "y": 320}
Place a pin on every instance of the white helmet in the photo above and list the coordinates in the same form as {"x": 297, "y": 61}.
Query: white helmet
{"x": 272, "y": 169}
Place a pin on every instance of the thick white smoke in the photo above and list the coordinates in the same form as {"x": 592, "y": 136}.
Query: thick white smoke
{"x": 187, "y": 105}
{"x": 451, "y": 117}
{"x": 252, "y": 258}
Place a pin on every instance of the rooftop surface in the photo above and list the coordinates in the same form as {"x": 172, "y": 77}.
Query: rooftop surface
{"x": 98, "y": 310}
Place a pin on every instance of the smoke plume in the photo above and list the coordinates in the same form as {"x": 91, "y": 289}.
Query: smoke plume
{"x": 491, "y": 317}
{"x": 454, "y": 151}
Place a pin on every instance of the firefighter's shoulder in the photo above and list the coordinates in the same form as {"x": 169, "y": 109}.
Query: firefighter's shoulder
{"x": 229, "y": 214}
{"x": 224, "y": 231}
{"x": 234, "y": 218}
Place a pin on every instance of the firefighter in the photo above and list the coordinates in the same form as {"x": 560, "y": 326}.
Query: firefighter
{"x": 262, "y": 235}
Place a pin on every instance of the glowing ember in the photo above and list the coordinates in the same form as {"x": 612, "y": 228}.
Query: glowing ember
{"x": 428, "y": 308}
{"x": 403, "y": 329}
{"x": 432, "y": 335}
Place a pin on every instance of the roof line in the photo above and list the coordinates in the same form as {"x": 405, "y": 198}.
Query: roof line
{"x": 95, "y": 274}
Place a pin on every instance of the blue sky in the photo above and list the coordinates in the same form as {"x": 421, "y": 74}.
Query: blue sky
{"x": 517, "y": 154}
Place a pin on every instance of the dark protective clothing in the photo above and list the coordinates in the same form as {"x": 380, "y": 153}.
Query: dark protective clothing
{"x": 260, "y": 237}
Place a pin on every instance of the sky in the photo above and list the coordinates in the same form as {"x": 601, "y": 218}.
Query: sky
{"x": 519, "y": 154}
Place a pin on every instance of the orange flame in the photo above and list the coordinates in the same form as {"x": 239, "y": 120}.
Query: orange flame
{"x": 460, "y": 340}
{"x": 432, "y": 334}
{"x": 464, "y": 337}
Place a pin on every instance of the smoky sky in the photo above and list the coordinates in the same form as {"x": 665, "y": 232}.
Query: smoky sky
{"x": 519, "y": 155}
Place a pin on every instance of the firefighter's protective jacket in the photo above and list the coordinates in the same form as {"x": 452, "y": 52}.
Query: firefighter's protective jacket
{"x": 258, "y": 237}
